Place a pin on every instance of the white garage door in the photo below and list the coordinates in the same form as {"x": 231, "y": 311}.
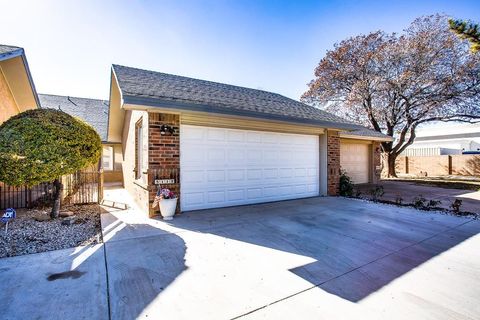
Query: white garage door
{"x": 355, "y": 160}
{"x": 228, "y": 167}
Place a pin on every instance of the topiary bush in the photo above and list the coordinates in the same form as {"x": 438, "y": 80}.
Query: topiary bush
{"x": 42, "y": 145}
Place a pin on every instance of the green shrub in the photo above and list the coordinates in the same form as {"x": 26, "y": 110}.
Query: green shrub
{"x": 43, "y": 144}
{"x": 456, "y": 204}
{"x": 432, "y": 204}
{"x": 398, "y": 199}
{"x": 419, "y": 202}
{"x": 346, "y": 185}
{"x": 377, "y": 192}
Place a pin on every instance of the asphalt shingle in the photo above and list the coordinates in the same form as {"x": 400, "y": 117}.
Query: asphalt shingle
{"x": 92, "y": 111}
{"x": 366, "y": 133}
{"x": 6, "y": 50}
{"x": 163, "y": 87}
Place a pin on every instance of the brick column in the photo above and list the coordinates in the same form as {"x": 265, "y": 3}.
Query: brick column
{"x": 333, "y": 163}
{"x": 163, "y": 155}
{"x": 376, "y": 162}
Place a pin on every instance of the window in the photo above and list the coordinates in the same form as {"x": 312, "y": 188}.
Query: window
{"x": 107, "y": 158}
{"x": 138, "y": 149}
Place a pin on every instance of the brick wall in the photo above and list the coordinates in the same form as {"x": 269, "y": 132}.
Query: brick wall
{"x": 376, "y": 162}
{"x": 163, "y": 155}
{"x": 333, "y": 163}
{"x": 462, "y": 164}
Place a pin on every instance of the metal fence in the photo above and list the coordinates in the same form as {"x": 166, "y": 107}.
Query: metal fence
{"x": 24, "y": 197}
{"x": 83, "y": 186}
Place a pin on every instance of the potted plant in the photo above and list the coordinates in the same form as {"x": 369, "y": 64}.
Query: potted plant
{"x": 167, "y": 201}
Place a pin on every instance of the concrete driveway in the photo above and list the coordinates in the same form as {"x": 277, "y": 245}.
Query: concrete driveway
{"x": 321, "y": 258}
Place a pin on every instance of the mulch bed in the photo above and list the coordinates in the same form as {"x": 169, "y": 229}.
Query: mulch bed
{"x": 26, "y": 235}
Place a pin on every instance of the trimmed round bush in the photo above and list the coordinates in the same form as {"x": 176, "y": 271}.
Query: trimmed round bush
{"x": 42, "y": 145}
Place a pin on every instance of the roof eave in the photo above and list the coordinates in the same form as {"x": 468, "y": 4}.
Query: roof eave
{"x": 370, "y": 138}
{"x": 11, "y": 54}
{"x": 183, "y": 106}
{"x": 30, "y": 79}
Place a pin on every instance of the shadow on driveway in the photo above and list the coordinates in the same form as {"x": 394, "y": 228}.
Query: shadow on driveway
{"x": 142, "y": 261}
{"x": 359, "y": 247}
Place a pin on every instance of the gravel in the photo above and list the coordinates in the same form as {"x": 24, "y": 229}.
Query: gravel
{"x": 26, "y": 235}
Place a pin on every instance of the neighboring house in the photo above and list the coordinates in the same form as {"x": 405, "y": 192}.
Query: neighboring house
{"x": 17, "y": 91}
{"x": 226, "y": 145}
{"x": 445, "y": 139}
{"x": 95, "y": 113}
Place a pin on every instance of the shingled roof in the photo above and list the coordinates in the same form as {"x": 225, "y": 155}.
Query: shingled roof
{"x": 366, "y": 134}
{"x": 156, "y": 89}
{"x": 6, "y": 51}
{"x": 92, "y": 111}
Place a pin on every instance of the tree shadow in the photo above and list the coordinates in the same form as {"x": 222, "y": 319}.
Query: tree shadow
{"x": 470, "y": 168}
{"x": 357, "y": 250}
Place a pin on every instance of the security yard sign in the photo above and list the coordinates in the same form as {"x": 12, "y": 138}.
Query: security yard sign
{"x": 9, "y": 214}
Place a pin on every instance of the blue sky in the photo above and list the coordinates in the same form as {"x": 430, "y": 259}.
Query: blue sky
{"x": 271, "y": 45}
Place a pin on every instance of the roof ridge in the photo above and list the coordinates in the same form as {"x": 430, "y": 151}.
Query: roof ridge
{"x": 206, "y": 81}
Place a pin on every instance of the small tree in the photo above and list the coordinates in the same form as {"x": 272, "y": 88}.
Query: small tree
{"x": 44, "y": 144}
{"x": 467, "y": 30}
{"x": 394, "y": 83}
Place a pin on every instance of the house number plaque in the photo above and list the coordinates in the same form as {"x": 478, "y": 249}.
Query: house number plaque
{"x": 164, "y": 181}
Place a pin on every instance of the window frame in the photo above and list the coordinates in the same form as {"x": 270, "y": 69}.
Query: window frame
{"x": 139, "y": 149}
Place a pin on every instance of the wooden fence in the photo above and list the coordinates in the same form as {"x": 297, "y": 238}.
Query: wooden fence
{"x": 83, "y": 186}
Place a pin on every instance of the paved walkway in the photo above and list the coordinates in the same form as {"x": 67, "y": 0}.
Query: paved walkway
{"x": 61, "y": 284}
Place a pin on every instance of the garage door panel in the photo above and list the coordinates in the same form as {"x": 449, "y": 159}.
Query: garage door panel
{"x": 355, "y": 160}
{"x": 233, "y": 167}
{"x": 216, "y": 176}
{"x": 214, "y": 134}
{"x": 236, "y": 175}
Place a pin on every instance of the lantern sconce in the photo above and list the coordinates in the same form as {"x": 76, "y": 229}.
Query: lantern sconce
{"x": 165, "y": 128}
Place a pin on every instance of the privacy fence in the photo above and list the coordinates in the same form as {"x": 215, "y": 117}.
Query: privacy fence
{"x": 81, "y": 187}
{"x": 462, "y": 164}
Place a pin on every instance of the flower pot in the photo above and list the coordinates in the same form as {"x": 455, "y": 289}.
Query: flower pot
{"x": 167, "y": 208}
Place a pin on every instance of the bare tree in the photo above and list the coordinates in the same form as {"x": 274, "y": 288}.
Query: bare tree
{"x": 394, "y": 83}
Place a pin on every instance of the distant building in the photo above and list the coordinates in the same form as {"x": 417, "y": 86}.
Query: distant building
{"x": 445, "y": 139}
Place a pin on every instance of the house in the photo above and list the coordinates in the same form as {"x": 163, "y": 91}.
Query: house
{"x": 221, "y": 145}
{"x": 17, "y": 90}
{"x": 95, "y": 113}
{"x": 445, "y": 139}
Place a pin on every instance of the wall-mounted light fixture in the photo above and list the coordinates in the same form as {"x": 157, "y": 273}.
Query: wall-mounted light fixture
{"x": 166, "y": 129}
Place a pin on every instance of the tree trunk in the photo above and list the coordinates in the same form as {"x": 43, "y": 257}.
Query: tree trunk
{"x": 391, "y": 157}
{"x": 56, "y": 198}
